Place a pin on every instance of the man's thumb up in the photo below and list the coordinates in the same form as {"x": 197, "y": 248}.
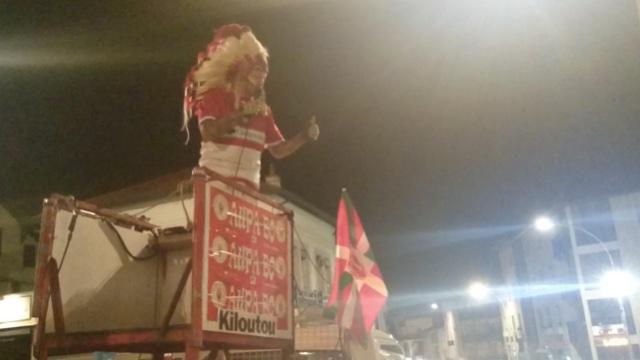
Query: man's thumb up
{"x": 312, "y": 129}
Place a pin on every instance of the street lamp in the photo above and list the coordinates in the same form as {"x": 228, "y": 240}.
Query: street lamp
{"x": 618, "y": 283}
{"x": 478, "y": 291}
{"x": 544, "y": 224}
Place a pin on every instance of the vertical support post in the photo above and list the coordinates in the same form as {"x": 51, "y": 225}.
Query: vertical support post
{"x": 197, "y": 263}
{"x": 39, "y": 341}
{"x": 578, "y": 265}
{"x": 50, "y": 290}
{"x": 176, "y": 297}
{"x": 42, "y": 288}
{"x": 286, "y": 353}
{"x": 43, "y": 354}
{"x": 625, "y": 323}
{"x": 451, "y": 335}
{"x": 191, "y": 352}
{"x": 56, "y": 296}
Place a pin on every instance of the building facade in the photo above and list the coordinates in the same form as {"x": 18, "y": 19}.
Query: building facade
{"x": 17, "y": 266}
{"x": 557, "y": 281}
{"x": 551, "y": 303}
{"x": 541, "y": 286}
{"x": 17, "y": 254}
{"x": 605, "y": 235}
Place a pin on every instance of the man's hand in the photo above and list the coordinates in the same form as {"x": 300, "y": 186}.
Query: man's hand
{"x": 311, "y": 130}
{"x": 309, "y": 133}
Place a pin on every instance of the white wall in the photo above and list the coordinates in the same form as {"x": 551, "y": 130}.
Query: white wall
{"x": 317, "y": 237}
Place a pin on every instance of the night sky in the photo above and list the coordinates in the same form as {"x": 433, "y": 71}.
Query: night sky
{"x": 450, "y": 122}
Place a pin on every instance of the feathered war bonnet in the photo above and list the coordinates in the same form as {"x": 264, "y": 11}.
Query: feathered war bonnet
{"x": 217, "y": 66}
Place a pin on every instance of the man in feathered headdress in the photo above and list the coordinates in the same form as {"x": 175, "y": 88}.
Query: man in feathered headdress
{"x": 225, "y": 91}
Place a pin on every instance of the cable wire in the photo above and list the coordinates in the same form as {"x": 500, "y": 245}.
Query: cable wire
{"x": 184, "y": 207}
{"x": 178, "y": 191}
{"x": 71, "y": 227}
{"x": 313, "y": 264}
{"x": 124, "y": 245}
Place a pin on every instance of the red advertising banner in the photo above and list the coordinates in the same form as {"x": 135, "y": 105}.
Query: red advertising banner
{"x": 247, "y": 265}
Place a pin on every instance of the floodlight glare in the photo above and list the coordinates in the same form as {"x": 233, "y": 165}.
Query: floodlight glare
{"x": 544, "y": 224}
{"x": 618, "y": 283}
{"x": 478, "y": 291}
{"x": 434, "y": 306}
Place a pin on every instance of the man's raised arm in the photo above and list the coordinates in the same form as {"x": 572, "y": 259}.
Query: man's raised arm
{"x": 285, "y": 148}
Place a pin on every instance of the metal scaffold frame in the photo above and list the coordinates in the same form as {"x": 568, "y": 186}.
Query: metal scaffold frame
{"x": 190, "y": 338}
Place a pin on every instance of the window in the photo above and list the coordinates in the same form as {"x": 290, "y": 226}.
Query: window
{"x": 605, "y": 312}
{"x": 29, "y": 255}
{"x": 594, "y": 217}
{"x": 545, "y": 318}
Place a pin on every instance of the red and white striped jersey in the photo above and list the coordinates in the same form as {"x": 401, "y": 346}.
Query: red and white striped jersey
{"x": 236, "y": 155}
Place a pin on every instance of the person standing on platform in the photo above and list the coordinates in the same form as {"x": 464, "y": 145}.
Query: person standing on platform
{"x": 225, "y": 92}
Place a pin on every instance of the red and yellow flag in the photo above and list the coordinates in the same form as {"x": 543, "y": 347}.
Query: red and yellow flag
{"x": 358, "y": 290}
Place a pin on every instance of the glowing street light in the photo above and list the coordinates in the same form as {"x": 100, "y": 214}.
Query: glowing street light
{"x": 434, "y": 306}
{"x": 618, "y": 283}
{"x": 478, "y": 291}
{"x": 544, "y": 224}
